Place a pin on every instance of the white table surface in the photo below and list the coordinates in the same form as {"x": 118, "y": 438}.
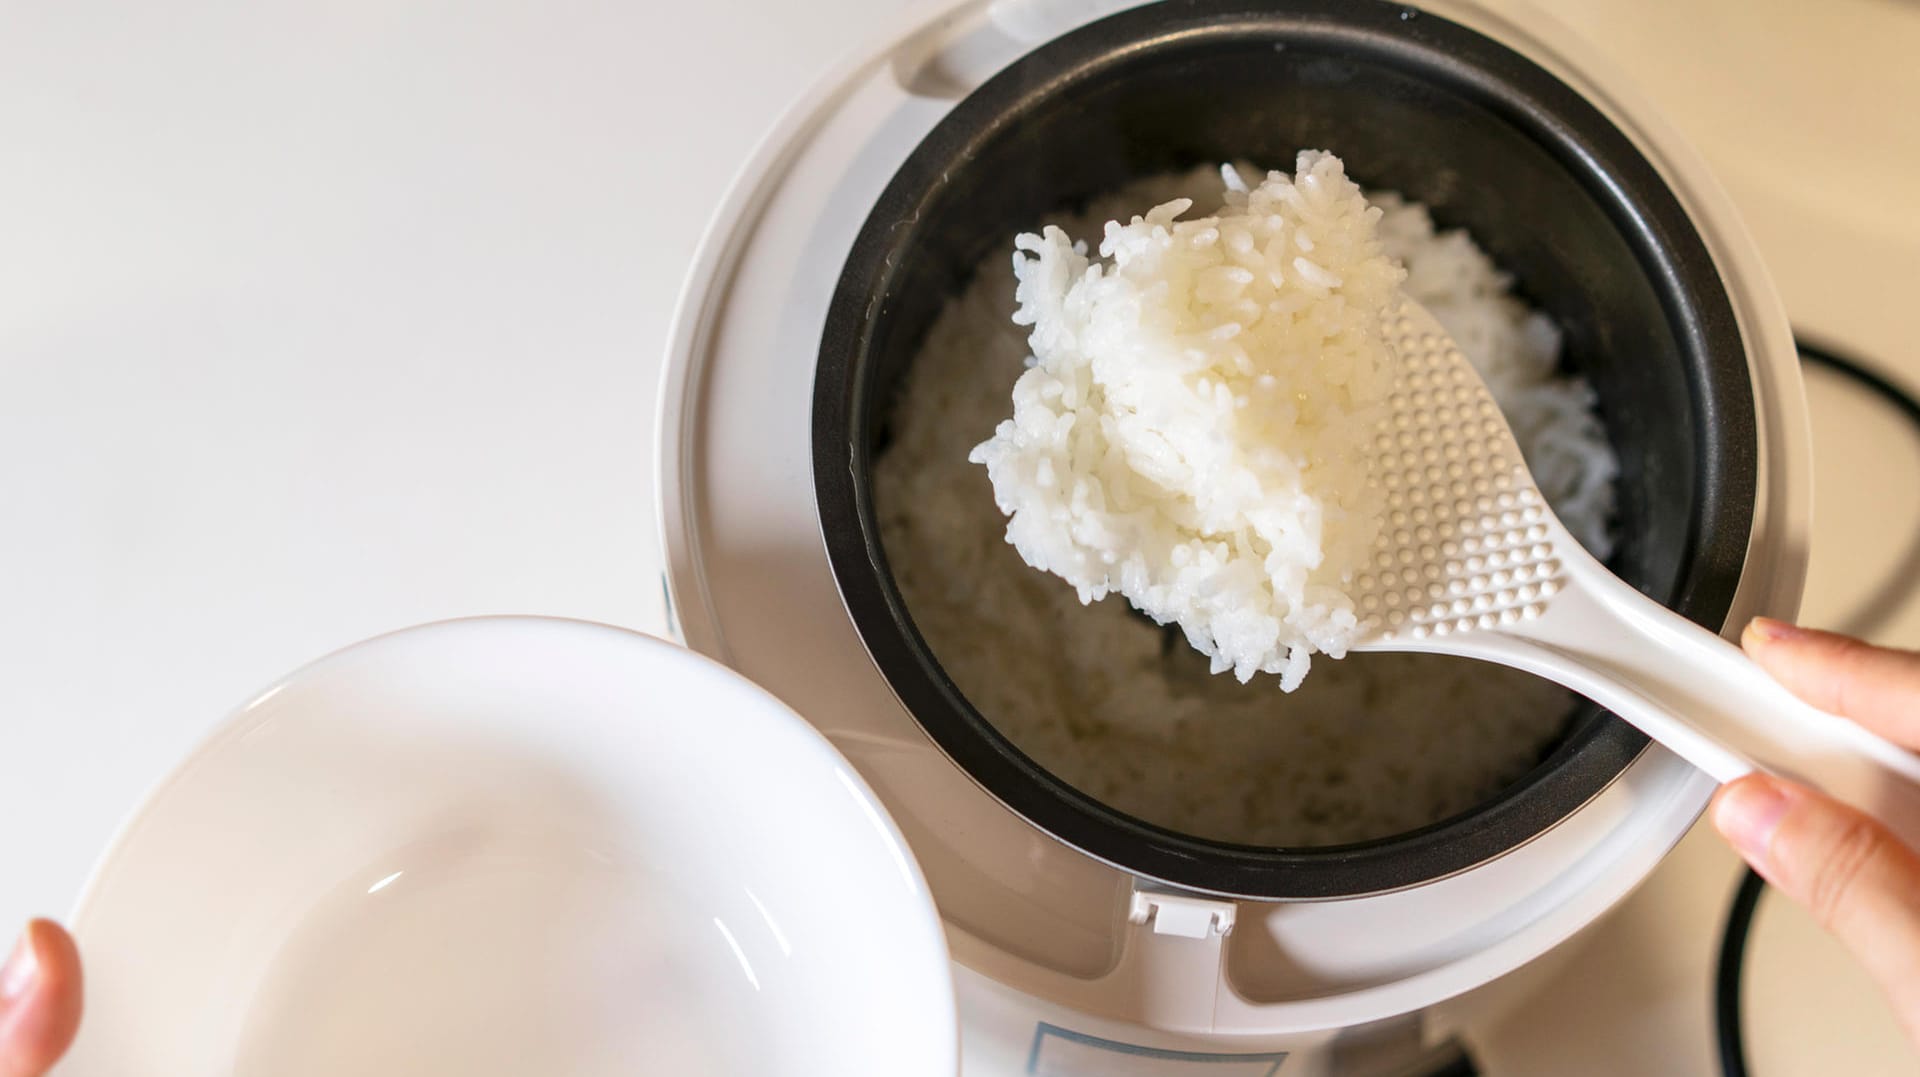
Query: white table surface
{"x": 318, "y": 320}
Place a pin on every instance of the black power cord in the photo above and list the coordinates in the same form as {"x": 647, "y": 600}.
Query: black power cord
{"x": 1726, "y": 984}
{"x": 1890, "y": 393}
{"x": 1746, "y": 898}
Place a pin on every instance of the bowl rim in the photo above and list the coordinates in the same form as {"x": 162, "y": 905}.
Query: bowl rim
{"x": 638, "y": 665}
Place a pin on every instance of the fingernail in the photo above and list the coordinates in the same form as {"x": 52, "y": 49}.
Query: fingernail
{"x": 18, "y": 974}
{"x": 1747, "y": 814}
{"x": 1769, "y": 630}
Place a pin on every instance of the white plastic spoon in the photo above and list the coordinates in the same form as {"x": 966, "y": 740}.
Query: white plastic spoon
{"x": 1472, "y": 562}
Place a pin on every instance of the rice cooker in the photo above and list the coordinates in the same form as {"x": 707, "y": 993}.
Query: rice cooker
{"x": 1086, "y": 942}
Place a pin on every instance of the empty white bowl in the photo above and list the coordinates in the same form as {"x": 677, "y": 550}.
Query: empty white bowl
{"x": 513, "y": 846}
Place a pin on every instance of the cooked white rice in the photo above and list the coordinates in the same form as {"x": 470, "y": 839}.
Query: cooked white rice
{"x": 1194, "y": 427}
{"x": 1371, "y": 745}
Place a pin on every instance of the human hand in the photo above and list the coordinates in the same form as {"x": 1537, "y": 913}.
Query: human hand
{"x": 39, "y": 1000}
{"x": 1859, "y": 881}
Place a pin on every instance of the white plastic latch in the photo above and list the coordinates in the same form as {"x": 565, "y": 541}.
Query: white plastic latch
{"x": 1181, "y": 914}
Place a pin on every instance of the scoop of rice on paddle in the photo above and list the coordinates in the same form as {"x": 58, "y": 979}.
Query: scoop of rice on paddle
{"x": 1193, "y": 429}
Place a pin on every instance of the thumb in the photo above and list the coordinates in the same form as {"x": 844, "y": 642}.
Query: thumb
{"x": 1859, "y": 882}
{"x": 39, "y": 1000}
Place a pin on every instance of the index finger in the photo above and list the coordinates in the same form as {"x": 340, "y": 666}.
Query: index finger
{"x": 1878, "y": 687}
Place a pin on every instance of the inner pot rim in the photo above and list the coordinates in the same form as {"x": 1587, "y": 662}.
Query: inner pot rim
{"x": 1614, "y": 172}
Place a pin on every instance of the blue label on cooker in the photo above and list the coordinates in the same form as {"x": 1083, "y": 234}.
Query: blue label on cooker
{"x": 1062, "y": 1052}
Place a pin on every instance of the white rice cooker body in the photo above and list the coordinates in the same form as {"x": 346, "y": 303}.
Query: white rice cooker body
{"x": 1055, "y": 972}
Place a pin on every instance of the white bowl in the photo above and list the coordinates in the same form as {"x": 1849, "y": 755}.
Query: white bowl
{"x": 513, "y": 846}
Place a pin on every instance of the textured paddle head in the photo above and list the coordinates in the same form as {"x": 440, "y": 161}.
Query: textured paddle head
{"x": 1468, "y": 543}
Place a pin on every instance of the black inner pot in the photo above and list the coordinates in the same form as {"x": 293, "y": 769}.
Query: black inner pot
{"x": 1489, "y": 141}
